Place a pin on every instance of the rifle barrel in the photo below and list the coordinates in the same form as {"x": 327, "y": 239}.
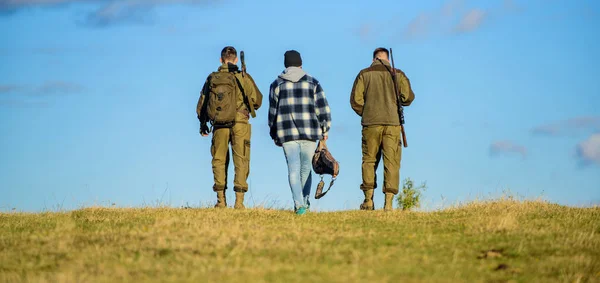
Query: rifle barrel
{"x": 243, "y": 63}
{"x": 392, "y": 57}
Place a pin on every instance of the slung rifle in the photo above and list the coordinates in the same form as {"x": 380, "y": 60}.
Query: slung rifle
{"x": 398, "y": 100}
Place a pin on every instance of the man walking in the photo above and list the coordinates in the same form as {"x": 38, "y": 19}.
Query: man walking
{"x": 228, "y": 99}
{"x": 374, "y": 99}
{"x": 299, "y": 115}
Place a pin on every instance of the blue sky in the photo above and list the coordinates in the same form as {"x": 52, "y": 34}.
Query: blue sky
{"x": 97, "y": 98}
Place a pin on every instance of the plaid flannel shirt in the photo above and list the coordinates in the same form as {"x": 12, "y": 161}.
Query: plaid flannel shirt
{"x": 298, "y": 110}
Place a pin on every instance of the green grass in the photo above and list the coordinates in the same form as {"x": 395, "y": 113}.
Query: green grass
{"x": 500, "y": 241}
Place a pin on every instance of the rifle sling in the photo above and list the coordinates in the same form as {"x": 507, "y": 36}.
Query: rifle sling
{"x": 245, "y": 98}
{"x": 398, "y": 98}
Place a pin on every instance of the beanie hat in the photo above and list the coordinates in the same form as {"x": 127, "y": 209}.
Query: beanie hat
{"x": 292, "y": 59}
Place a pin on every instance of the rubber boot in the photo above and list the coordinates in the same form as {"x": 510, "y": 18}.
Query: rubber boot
{"x": 239, "y": 200}
{"x": 389, "y": 202}
{"x": 221, "y": 199}
{"x": 368, "y": 202}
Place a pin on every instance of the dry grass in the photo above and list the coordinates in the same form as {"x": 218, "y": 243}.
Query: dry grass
{"x": 495, "y": 241}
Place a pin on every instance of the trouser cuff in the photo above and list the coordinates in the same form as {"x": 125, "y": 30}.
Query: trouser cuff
{"x": 240, "y": 189}
{"x": 218, "y": 188}
{"x": 389, "y": 190}
{"x": 367, "y": 187}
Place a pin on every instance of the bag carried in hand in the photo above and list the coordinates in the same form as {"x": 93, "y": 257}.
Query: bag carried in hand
{"x": 324, "y": 163}
{"x": 222, "y": 100}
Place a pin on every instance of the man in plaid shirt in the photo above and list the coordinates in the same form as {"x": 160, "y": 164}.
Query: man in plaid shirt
{"x": 299, "y": 115}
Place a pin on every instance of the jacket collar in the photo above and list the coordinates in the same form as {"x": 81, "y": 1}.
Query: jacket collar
{"x": 228, "y": 67}
{"x": 377, "y": 62}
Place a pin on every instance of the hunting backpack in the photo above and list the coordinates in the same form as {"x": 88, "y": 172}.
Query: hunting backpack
{"x": 222, "y": 98}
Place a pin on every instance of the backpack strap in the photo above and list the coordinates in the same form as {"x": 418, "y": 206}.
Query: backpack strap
{"x": 319, "y": 193}
{"x": 320, "y": 146}
{"x": 211, "y": 129}
{"x": 245, "y": 98}
{"x": 205, "y": 95}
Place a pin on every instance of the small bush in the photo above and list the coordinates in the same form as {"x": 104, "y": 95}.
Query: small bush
{"x": 410, "y": 196}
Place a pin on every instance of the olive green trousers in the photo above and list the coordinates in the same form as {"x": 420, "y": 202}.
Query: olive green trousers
{"x": 239, "y": 138}
{"x": 378, "y": 141}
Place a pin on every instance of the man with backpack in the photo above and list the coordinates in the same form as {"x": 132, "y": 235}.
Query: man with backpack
{"x": 299, "y": 115}
{"x": 375, "y": 99}
{"x": 228, "y": 98}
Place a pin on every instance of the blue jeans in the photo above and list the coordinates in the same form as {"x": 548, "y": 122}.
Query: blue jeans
{"x": 298, "y": 155}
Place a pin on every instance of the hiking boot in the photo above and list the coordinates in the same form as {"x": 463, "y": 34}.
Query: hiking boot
{"x": 239, "y": 200}
{"x": 368, "y": 202}
{"x": 389, "y": 202}
{"x": 221, "y": 199}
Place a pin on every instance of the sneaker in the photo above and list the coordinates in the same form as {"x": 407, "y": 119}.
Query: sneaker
{"x": 301, "y": 211}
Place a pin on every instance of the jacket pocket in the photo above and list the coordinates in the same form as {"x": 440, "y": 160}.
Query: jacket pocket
{"x": 247, "y": 142}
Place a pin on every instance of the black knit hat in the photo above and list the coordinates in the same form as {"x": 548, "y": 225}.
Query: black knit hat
{"x": 292, "y": 59}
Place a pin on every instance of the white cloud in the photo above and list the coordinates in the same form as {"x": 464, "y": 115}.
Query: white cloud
{"x": 58, "y": 87}
{"x": 9, "y": 88}
{"x": 451, "y": 17}
{"x": 36, "y": 95}
{"x": 109, "y": 12}
{"x": 365, "y": 31}
{"x": 419, "y": 26}
{"x": 568, "y": 126}
{"x": 507, "y": 147}
{"x": 511, "y": 6}
{"x": 471, "y": 21}
{"x": 588, "y": 151}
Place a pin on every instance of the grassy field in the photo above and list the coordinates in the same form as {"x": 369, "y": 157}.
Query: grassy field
{"x": 499, "y": 241}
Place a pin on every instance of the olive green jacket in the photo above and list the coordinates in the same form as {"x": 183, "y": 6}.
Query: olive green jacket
{"x": 250, "y": 89}
{"x": 373, "y": 96}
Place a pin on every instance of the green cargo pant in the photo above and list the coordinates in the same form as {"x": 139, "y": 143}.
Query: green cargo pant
{"x": 375, "y": 141}
{"x": 239, "y": 136}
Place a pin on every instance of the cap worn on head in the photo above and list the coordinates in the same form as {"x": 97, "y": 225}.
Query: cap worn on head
{"x": 292, "y": 59}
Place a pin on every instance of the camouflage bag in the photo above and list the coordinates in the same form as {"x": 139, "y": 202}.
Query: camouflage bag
{"x": 222, "y": 99}
{"x": 324, "y": 163}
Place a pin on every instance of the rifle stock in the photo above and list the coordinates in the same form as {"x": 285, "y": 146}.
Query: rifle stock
{"x": 399, "y": 101}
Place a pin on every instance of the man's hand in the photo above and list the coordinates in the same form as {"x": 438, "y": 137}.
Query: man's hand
{"x": 204, "y": 130}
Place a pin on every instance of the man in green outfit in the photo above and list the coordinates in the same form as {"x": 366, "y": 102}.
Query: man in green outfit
{"x": 374, "y": 99}
{"x": 228, "y": 99}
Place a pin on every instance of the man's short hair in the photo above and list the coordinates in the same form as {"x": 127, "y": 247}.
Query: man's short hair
{"x": 380, "y": 50}
{"x": 228, "y": 53}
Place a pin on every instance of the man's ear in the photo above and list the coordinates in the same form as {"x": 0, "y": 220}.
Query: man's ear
{"x": 221, "y": 60}
{"x": 235, "y": 61}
